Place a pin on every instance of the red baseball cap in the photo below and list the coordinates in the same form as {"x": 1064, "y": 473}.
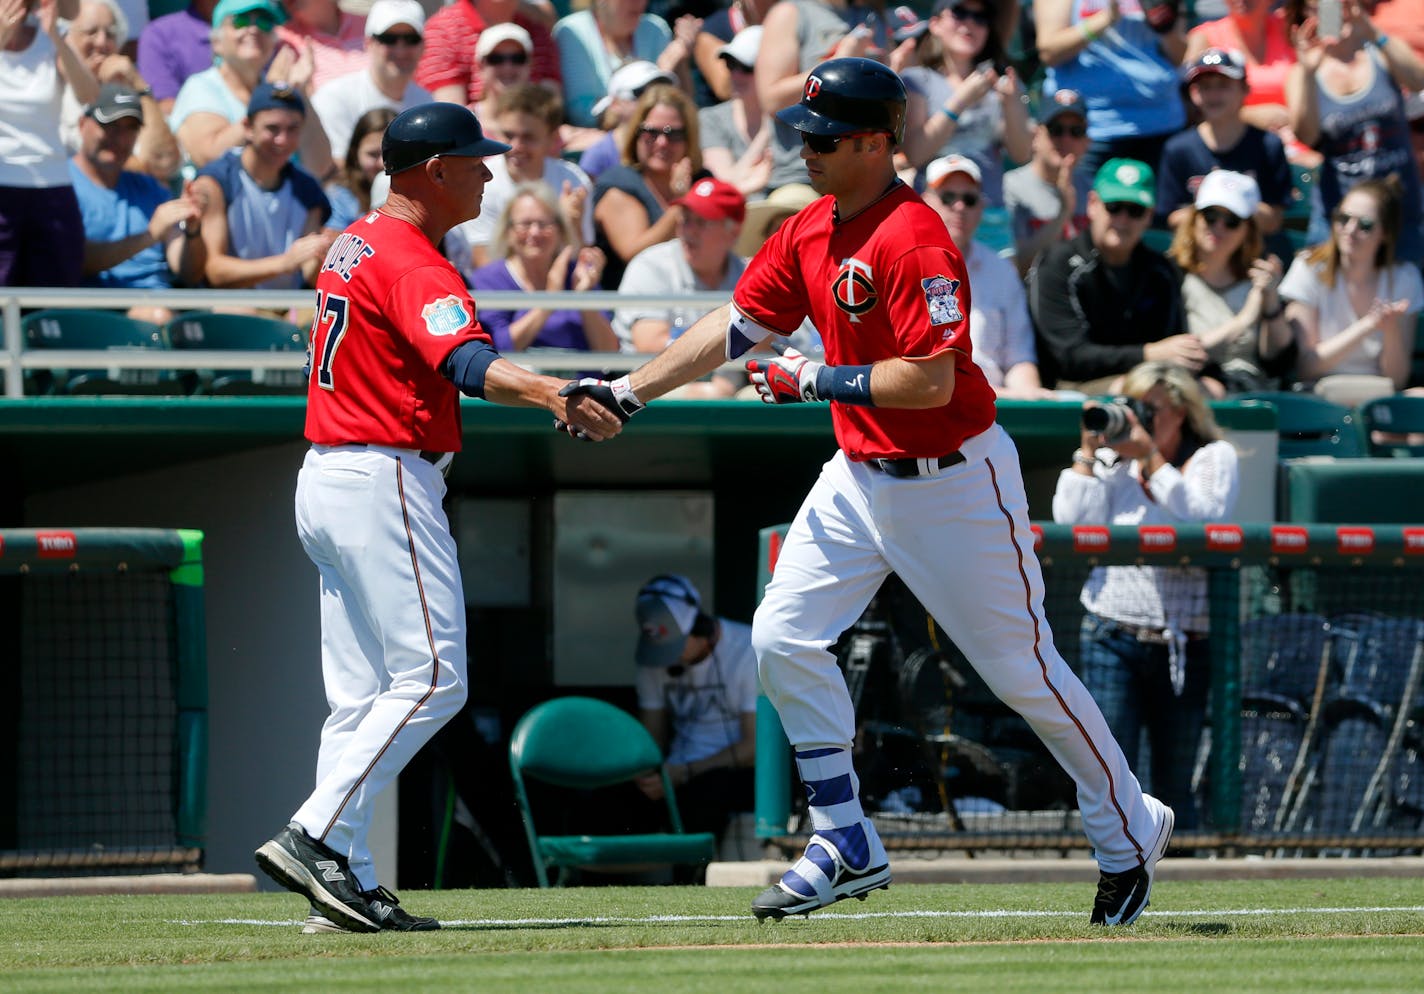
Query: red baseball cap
{"x": 715, "y": 200}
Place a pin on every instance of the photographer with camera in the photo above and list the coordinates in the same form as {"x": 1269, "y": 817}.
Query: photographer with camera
{"x": 1154, "y": 456}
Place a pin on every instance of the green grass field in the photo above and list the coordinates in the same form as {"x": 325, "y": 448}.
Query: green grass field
{"x": 1286, "y": 935}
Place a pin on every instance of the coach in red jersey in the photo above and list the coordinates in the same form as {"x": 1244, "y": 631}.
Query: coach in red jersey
{"x": 926, "y": 484}
{"x": 394, "y": 342}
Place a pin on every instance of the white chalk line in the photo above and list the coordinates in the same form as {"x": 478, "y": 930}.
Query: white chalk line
{"x": 839, "y": 915}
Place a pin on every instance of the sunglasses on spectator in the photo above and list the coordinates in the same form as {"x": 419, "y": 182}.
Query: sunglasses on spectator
{"x": 951, "y": 197}
{"x": 1365, "y": 224}
{"x": 259, "y": 19}
{"x": 393, "y": 38}
{"x": 1135, "y": 211}
{"x": 674, "y": 135}
{"x": 509, "y": 59}
{"x": 965, "y": 15}
{"x": 827, "y": 144}
{"x": 1214, "y": 216}
{"x": 1071, "y": 130}
{"x": 735, "y": 66}
{"x": 542, "y": 224}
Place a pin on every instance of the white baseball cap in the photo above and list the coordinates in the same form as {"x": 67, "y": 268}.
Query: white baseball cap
{"x": 744, "y": 46}
{"x": 386, "y": 14}
{"x": 666, "y": 608}
{"x": 1235, "y": 192}
{"x": 943, "y": 168}
{"x": 496, "y": 34}
{"x": 629, "y": 81}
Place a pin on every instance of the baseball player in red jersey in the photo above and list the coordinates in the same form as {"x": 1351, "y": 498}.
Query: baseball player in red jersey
{"x": 926, "y": 484}
{"x": 394, "y": 342}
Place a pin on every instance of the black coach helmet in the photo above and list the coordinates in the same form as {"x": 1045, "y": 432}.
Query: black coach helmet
{"x": 843, "y": 96}
{"x": 421, "y": 133}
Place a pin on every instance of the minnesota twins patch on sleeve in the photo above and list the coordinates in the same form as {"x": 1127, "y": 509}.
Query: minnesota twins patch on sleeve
{"x": 447, "y": 315}
{"x": 942, "y": 299}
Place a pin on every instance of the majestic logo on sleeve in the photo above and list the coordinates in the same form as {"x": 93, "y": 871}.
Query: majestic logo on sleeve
{"x": 854, "y": 292}
{"x": 447, "y": 315}
{"x": 942, "y": 299}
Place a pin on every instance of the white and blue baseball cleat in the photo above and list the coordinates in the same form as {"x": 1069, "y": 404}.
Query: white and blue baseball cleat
{"x": 823, "y": 875}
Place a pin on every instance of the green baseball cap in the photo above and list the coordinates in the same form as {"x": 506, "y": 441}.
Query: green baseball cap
{"x": 1126, "y": 181}
{"x": 230, "y": 8}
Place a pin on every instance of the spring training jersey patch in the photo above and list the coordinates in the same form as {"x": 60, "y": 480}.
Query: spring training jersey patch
{"x": 942, "y": 300}
{"x": 445, "y": 316}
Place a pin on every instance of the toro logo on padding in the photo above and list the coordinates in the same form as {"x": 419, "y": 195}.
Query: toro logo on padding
{"x": 1090, "y": 538}
{"x": 1156, "y": 538}
{"x": 1355, "y": 541}
{"x": 1225, "y": 538}
{"x": 1285, "y": 538}
{"x": 56, "y": 545}
{"x": 853, "y": 290}
{"x": 1413, "y": 542}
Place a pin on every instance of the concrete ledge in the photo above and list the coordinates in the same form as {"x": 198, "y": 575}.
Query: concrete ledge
{"x": 762, "y": 873}
{"x": 153, "y": 883}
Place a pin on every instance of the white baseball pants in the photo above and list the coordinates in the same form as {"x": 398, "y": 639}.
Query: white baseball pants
{"x": 392, "y": 628}
{"x": 961, "y": 542}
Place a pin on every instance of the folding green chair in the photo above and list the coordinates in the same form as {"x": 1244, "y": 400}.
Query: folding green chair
{"x": 1312, "y": 426}
{"x": 581, "y": 743}
{"x": 61, "y": 328}
{"x": 242, "y": 333}
{"x": 1397, "y": 415}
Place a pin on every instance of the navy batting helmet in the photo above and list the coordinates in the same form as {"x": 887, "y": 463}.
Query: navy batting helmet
{"x": 843, "y": 96}
{"x": 421, "y": 133}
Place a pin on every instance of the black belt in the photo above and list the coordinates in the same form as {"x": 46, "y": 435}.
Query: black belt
{"x": 428, "y": 455}
{"x": 1149, "y": 636}
{"x": 910, "y": 468}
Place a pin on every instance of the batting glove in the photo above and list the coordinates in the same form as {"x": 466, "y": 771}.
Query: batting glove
{"x": 789, "y": 378}
{"x": 617, "y": 396}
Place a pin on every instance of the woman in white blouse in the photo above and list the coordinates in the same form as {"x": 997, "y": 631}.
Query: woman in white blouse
{"x": 1144, "y": 651}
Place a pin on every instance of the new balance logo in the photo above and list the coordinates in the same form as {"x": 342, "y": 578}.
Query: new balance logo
{"x": 330, "y": 869}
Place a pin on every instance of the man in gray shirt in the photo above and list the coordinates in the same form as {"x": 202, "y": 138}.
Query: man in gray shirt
{"x": 1047, "y": 199}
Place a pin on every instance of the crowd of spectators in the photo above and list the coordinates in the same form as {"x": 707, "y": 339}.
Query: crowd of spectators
{"x": 1237, "y": 197}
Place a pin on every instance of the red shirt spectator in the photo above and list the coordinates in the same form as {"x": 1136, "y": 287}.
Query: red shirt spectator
{"x": 450, "y": 37}
{"x": 338, "y": 39}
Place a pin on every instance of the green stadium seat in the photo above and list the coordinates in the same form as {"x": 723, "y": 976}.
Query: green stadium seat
{"x": 244, "y": 333}
{"x": 1397, "y": 414}
{"x": 579, "y": 743}
{"x": 60, "y": 328}
{"x": 1312, "y": 426}
{"x": 1157, "y": 239}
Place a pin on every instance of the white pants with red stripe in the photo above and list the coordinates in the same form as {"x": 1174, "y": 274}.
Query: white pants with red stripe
{"x": 392, "y": 628}
{"x": 961, "y": 541}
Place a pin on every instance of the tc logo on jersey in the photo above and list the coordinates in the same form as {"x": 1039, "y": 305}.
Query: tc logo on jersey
{"x": 941, "y": 297}
{"x": 854, "y": 292}
{"x": 446, "y": 316}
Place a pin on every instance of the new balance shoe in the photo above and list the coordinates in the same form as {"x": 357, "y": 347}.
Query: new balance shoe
{"x": 823, "y": 876}
{"x": 317, "y": 923}
{"x": 302, "y": 864}
{"x": 385, "y": 908}
{"x": 1123, "y": 896}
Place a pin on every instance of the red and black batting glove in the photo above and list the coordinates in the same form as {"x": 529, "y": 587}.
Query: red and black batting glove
{"x": 616, "y": 395}
{"x": 789, "y": 378}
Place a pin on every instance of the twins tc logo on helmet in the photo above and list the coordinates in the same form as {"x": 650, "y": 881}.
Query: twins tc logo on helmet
{"x": 853, "y": 290}
{"x": 942, "y": 299}
{"x": 813, "y": 87}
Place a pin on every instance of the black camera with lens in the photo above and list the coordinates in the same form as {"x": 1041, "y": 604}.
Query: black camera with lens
{"x": 1110, "y": 419}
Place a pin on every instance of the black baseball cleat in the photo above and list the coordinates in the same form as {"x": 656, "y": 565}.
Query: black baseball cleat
{"x": 385, "y": 907}
{"x": 302, "y": 864}
{"x": 782, "y": 899}
{"x": 1123, "y": 896}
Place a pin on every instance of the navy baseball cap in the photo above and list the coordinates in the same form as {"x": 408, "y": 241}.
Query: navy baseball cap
{"x": 666, "y": 609}
{"x": 1221, "y": 61}
{"x": 1060, "y": 103}
{"x": 275, "y": 96}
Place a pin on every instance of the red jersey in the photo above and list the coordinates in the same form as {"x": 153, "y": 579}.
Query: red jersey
{"x": 389, "y": 310}
{"x": 886, "y": 283}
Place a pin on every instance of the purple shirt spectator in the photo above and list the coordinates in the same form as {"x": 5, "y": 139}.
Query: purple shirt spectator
{"x": 563, "y": 330}
{"x": 174, "y": 47}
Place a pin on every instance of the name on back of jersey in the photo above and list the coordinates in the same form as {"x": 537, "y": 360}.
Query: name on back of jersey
{"x": 345, "y": 254}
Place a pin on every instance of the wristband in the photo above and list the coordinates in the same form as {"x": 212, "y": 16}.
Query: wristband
{"x": 949, "y": 114}
{"x": 1089, "y": 35}
{"x": 1379, "y": 41}
{"x": 1081, "y": 458}
{"x": 847, "y": 384}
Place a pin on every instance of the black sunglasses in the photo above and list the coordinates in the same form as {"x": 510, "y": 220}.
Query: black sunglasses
{"x": 1215, "y": 215}
{"x": 672, "y": 134}
{"x": 736, "y": 66}
{"x": 1072, "y": 130}
{"x": 1365, "y": 224}
{"x": 951, "y": 197}
{"x": 511, "y": 59}
{"x": 1135, "y": 211}
{"x": 964, "y": 15}
{"x": 827, "y": 144}
{"x": 393, "y": 38}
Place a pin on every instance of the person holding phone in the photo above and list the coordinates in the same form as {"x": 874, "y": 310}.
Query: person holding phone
{"x": 1345, "y": 101}
{"x": 964, "y": 97}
